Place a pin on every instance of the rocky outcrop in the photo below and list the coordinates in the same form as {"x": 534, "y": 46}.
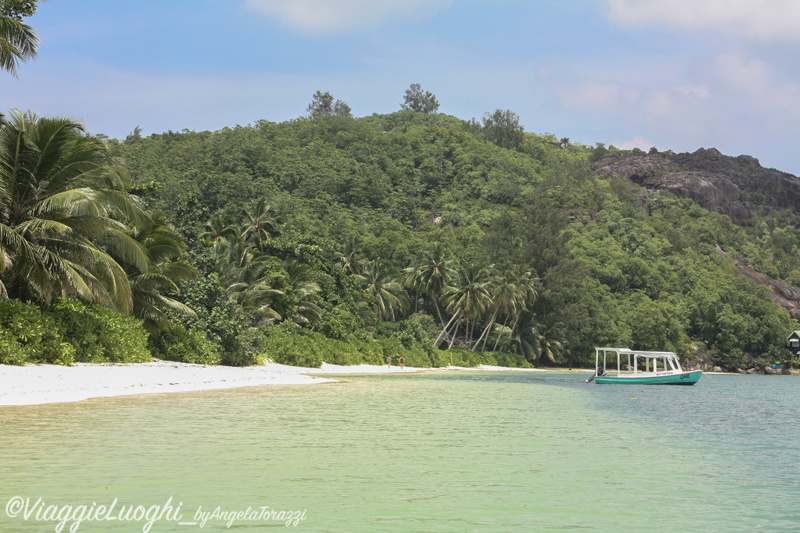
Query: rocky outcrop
{"x": 782, "y": 293}
{"x": 734, "y": 186}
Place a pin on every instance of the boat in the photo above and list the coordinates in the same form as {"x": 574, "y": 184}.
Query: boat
{"x": 642, "y": 368}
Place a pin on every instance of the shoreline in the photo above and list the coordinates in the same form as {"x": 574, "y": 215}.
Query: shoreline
{"x": 43, "y": 384}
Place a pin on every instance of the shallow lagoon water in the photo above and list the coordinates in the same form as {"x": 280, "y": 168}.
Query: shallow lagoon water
{"x": 458, "y": 451}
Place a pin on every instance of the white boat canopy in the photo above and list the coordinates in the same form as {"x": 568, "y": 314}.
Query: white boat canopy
{"x": 669, "y": 360}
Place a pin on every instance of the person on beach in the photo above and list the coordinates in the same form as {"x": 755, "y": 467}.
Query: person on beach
{"x": 402, "y": 362}
{"x": 389, "y": 362}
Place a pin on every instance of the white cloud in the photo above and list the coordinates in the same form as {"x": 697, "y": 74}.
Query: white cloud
{"x": 753, "y": 86}
{"x": 327, "y": 16}
{"x": 731, "y": 100}
{"x": 598, "y": 96}
{"x": 636, "y": 142}
{"x": 762, "y": 20}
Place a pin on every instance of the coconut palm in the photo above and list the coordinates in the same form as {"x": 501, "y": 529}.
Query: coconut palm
{"x": 436, "y": 272}
{"x": 468, "y": 299}
{"x": 387, "y": 292}
{"x": 526, "y": 284}
{"x": 259, "y": 223}
{"x": 62, "y": 211}
{"x": 166, "y": 270}
{"x": 412, "y": 279}
{"x": 351, "y": 262}
{"x": 18, "y": 43}
{"x": 243, "y": 271}
{"x": 507, "y": 297}
{"x": 299, "y": 278}
{"x": 535, "y": 341}
{"x": 219, "y": 227}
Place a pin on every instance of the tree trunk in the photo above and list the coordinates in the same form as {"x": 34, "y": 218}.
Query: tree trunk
{"x": 455, "y": 334}
{"x": 437, "y": 310}
{"x": 444, "y": 329}
{"x": 501, "y": 333}
{"x": 514, "y": 327}
{"x": 484, "y": 335}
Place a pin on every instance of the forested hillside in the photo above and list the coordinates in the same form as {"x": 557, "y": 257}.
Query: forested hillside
{"x": 349, "y": 239}
{"x": 479, "y": 235}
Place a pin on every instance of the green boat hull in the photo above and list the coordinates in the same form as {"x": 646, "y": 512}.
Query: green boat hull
{"x": 684, "y": 378}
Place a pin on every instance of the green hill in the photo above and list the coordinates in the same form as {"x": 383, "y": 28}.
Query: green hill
{"x": 617, "y": 259}
{"x": 349, "y": 240}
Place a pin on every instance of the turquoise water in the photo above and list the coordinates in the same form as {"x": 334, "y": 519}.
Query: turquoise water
{"x": 435, "y": 452}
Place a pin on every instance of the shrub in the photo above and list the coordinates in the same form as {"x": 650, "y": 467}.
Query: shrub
{"x": 99, "y": 334}
{"x": 179, "y": 343}
{"x": 285, "y": 346}
{"x": 11, "y": 351}
{"x": 30, "y": 335}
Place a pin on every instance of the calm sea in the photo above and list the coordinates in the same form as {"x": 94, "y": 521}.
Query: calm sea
{"x": 432, "y": 452}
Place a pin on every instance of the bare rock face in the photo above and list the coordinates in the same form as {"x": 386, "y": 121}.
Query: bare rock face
{"x": 734, "y": 186}
{"x": 783, "y": 294}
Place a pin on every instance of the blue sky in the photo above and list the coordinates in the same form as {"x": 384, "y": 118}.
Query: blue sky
{"x": 675, "y": 74}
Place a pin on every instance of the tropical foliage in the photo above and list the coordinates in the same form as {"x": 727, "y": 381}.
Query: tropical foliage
{"x": 18, "y": 41}
{"x": 63, "y": 209}
{"x": 347, "y": 240}
{"x": 512, "y": 244}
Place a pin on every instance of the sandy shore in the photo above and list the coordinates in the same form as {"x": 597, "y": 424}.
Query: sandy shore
{"x": 38, "y": 384}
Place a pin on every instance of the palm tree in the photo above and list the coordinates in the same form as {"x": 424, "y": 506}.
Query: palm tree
{"x": 219, "y": 227}
{"x": 164, "y": 273}
{"x": 243, "y": 272}
{"x": 526, "y": 284}
{"x": 260, "y": 223}
{"x": 351, "y": 262}
{"x": 300, "y": 281}
{"x": 538, "y": 341}
{"x": 387, "y": 292}
{"x": 413, "y": 280}
{"x": 18, "y": 43}
{"x": 469, "y": 299}
{"x": 435, "y": 274}
{"x": 63, "y": 209}
{"x": 507, "y": 297}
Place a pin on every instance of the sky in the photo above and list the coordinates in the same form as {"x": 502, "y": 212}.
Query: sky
{"x": 674, "y": 74}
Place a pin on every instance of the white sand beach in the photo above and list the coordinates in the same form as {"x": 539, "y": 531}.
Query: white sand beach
{"x": 40, "y": 384}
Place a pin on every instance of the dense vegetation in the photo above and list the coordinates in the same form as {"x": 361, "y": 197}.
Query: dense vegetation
{"x": 341, "y": 239}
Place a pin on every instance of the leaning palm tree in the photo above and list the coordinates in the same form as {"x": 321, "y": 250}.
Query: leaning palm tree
{"x": 468, "y": 299}
{"x": 526, "y": 284}
{"x": 63, "y": 214}
{"x": 387, "y": 292}
{"x": 18, "y": 43}
{"x": 507, "y": 297}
